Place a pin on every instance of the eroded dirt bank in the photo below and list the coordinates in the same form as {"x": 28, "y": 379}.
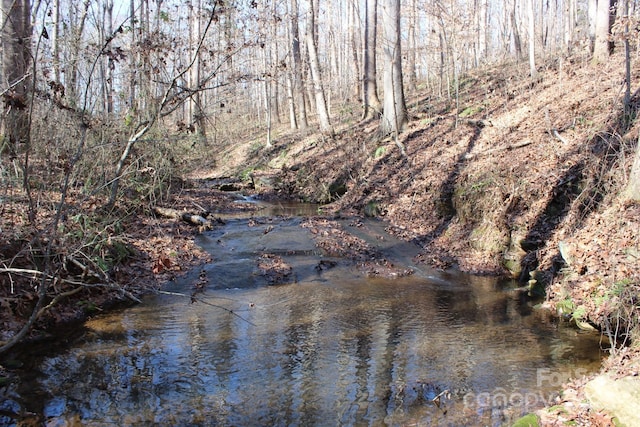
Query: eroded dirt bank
{"x": 524, "y": 180}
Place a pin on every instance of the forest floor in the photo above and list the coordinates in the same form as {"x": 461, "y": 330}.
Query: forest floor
{"x": 521, "y": 178}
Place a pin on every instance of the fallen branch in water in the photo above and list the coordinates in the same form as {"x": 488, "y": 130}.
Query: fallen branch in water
{"x": 40, "y": 308}
{"x": 191, "y": 218}
{"x": 59, "y": 297}
{"x": 196, "y": 299}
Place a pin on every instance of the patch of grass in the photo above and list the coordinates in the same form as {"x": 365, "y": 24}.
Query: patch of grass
{"x": 487, "y": 237}
{"x": 477, "y": 198}
{"x": 557, "y": 408}
{"x": 470, "y": 111}
{"x": 380, "y": 151}
{"x": 474, "y": 187}
{"x": 579, "y": 313}
{"x": 87, "y": 306}
{"x": 529, "y": 420}
{"x": 565, "y": 307}
{"x": 245, "y": 174}
{"x": 372, "y": 209}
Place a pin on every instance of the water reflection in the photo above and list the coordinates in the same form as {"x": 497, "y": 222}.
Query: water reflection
{"x": 354, "y": 352}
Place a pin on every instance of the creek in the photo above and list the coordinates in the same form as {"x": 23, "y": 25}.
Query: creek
{"x": 327, "y": 347}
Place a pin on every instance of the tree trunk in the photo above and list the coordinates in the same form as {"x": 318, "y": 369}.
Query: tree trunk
{"x": 111, "y": 63}
{"x": 290, "y": 77}
{"x": 316, "y": 77}
{"x": 298, "y": 81}
{"x": 293, "y": 122}
{"x": 442, "y": 63}
{"x": 145, "y": 97}
{"x": 532, "y": 41}
{"x": 371, "y": 102}
{"x": 592, "y": 13}
{"x": 632, "y": 192}
{"x": 77, "y": 30}
{"x": 273, "y": 82}
{"x": 411, "y": 40}
{"x": 355, "y": 49}
{"x": 196, "y": 112}
{"x": 605, "y": 15}
{"x": 570, "y": 23}
{"x": 267, "y": 95}
{"x": 55, "y": 41}
{"x": 516, "y": 32}
{"x": 394, "y": 117}
{"x": 16, "y": 58}
{"x": 133, "y": 104}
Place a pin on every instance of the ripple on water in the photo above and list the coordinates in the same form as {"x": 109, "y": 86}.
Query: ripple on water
{"x": 332, "y": 349}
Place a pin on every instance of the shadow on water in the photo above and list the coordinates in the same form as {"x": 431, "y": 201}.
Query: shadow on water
{"x": 330, "y": 348}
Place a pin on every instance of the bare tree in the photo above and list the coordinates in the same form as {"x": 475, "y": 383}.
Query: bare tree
{"x": 394, "y": 117}
{"x": 78, "y": 13}
{"x": 110, "y": 63}
{"x": 172, "y": 98}
{"x": 517, "y": 40}
{"x": 632, "y": 192}
{"x": 592, "y": 14}
{"x": 316, "y": 77}
{"x": 16, "y": 60}
{"x": 196, "y": 110}
{"x": 133, "y": 104}
{"x": 569, "y": 23}
{"x": 532, "y": 40}
{"x": 298, "y": 88}
{"x": 354, "y": 41}
{"x": 371, "y": 102}
{"x": 605, "y": 16}
{"x": 55, "y": 41}
{"x": 411, "y": 42}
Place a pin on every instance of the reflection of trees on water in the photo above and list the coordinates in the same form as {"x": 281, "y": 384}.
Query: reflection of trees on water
{"x": 347, "y": 353}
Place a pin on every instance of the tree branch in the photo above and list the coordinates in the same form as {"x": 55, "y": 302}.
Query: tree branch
{"x": 194, "y": 298}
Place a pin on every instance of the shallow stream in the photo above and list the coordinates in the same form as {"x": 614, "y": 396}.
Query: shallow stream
{"x": 329, "y": 347}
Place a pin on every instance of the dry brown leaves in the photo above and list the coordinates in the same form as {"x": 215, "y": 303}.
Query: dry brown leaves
{"x": 274, "y": 269}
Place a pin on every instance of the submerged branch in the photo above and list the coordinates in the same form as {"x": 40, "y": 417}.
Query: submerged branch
{"x": 194, "y": 298}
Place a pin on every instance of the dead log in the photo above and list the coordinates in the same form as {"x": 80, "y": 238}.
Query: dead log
{"x": 191, "y": 218}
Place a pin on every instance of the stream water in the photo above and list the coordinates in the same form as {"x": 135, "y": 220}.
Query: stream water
{"x": 329, "y": 347}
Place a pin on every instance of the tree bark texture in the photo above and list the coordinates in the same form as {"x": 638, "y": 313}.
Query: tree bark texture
{"x": 372, "y": 105}
{"x": 532, "y": 40}
{"x": 316, "y": 77}
{"x": 632, "y": 192}
{"x": 298, "y": 86}
{"x": 16, "y": 60}
{"x": 394, "y": 116}
{"x": 605, "y": 15}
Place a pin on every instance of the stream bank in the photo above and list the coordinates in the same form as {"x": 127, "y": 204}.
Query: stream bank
{"x": 523, "y": 179}
{"x": 316, "y": 321}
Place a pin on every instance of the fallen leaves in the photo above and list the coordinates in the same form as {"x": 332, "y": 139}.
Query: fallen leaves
{"x": 161, "y": 263}
{"x": 275, "y": 269}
